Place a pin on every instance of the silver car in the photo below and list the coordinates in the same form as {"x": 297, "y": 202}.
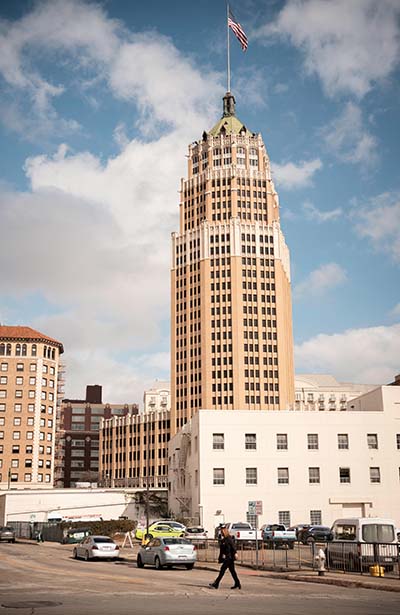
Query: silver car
{"x": 165, "y": 551}
{"x": 7, "y": 534}
{"x": 96, "y": 547}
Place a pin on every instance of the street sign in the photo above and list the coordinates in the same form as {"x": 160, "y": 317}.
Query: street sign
{"x": 255, "y": 507}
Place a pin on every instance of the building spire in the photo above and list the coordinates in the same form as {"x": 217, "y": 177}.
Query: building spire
{"x": 229, "y": 105}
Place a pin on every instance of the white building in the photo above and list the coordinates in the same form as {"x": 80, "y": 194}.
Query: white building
{"x": 304, "y": 466}
{"x": 158, "y": 397}
{"x": 324, "y": 392}
{"x": 44, "y": 504}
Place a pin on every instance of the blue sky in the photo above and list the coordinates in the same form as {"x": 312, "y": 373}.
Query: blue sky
{"x": 98, "y": 103}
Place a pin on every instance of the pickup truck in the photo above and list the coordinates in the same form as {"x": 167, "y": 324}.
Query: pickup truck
{"x": 243, "y": 532}
{"x": 276, "y": 535}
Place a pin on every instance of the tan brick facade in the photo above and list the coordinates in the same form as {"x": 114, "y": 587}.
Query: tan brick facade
{"x": 231, "y": 314}
{"x": 29, "y": 392}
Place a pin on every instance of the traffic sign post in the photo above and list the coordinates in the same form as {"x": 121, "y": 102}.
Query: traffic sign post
{"x": 255, "y": 508}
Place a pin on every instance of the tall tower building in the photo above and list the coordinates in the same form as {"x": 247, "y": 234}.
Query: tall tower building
{"x": 231, "y": 313}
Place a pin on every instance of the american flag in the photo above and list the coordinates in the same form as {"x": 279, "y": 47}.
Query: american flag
{"x": 237, "y": 30}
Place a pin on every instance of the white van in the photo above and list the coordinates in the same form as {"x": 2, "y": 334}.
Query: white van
{"x": 360, "y": 542}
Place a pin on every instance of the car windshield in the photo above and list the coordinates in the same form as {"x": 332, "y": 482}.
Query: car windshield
{"x": 240, "y": 526}
{"x": 195, "y": 530}
{"x": 102, "y": 539}
{"x": 176, "y": 541}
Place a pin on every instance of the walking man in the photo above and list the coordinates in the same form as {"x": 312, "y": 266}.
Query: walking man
{"x": 227, "y": 556}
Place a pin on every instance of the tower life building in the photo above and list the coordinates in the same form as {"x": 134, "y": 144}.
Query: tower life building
{"x": 231, "y": 313}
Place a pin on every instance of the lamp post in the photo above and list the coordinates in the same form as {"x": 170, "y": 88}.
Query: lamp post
{"x": 147, "y": 478}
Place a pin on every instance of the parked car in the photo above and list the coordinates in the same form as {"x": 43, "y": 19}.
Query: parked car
{"x": 96, "y": 547}
{"x": 314, "y": 533}
{"x": 276, "y": 535}
{"x": 7, "y": 534}
{"x": 154, "y": 528}
{"x": 165, "y": 551}
{"x": 197, "y": 534}
{"x": 243, "y": 533}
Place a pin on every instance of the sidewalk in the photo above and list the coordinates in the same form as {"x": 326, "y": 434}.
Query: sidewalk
{"x": 340, "y": 579}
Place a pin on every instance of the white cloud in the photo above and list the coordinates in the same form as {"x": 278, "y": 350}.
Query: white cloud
{"x": 365, "y": 356}
{"x": 143, "y": 67}
{"x": 320, "y": 281}
{"x": 379, "y": 221}
{"x": 347, "y": 138}
{"x": 92, "y": 237}
{"x": 395, "y": 312}
{"x": 291, "y": 176}
{"x": 349, "y": 45}
{"x": 313, "y": 213}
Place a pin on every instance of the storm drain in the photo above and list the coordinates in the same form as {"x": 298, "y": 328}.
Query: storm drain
{"x": 31, "y": 604}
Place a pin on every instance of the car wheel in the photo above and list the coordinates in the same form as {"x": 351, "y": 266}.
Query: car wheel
{"x": 139, "y": 562}
{"x": 157, "y": 563}
{"x": 75, "y": 554}
{"x": 86, "y": 556}
{"x": 189, "y": 566}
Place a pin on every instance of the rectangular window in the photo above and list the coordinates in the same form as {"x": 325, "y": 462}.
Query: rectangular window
{"x": 27, "y": 478}
{"x": 344, "y": 475}
{"x": 251, "y": 476}
{"x": 17, "y": 407}
{"x": 313, "y": 475}
{"x": 29, "y": 435}
{"x": 218, "y": 441}
{"x": 14, "y": 463}
{"x": 315, "y": 517}
{"x": 284, "y": 517}
{"x": 312, "y": 441}
{"x": 372, "y": 440}
{"x": 3, "y": 393}
{"x": 16, "y": 435}
{"x": 281, "y": 441}
{"x": 375, "y": 475}
{"x": 398, "y": 441}
{"x": 250, "y": 441}
{"x": 343, "y": 441}
{"x": 19, "y": 380}
{"x": 18, "y": 393}
{"x": 219, "y": 476}
{"x": 4, "y": 367}
{"x": 283, "y": 476}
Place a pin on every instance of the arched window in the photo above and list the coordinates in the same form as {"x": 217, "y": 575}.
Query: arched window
{"x": 53, "y": 354}
{"x": 34, "y": 350}
{"x": 18, "y": 350}
{"x": 8, "y": 350}
{"x": 49, "y": 352}
{"x": 2, "y": 350}
{"x": 24, "y": 350}
{"x": 45, "y": 351}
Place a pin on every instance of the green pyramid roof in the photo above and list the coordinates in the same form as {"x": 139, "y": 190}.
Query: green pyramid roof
{"x": 229, "y": 124}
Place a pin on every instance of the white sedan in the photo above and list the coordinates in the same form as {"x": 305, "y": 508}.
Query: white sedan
{"x": 165, "y": 551}
{"x": 96, "y": 547}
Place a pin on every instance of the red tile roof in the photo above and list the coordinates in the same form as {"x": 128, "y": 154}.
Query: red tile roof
{"x": 26, "y": 333}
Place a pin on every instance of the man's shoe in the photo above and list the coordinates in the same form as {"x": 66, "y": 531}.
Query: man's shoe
{"x": 212, "y": 586}
{"x": 236, "y": 587}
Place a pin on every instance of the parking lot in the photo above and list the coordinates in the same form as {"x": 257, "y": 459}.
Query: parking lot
{"x": 45, "y": 579}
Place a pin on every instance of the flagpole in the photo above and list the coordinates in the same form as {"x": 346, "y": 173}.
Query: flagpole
{"x": 228, "y": 50}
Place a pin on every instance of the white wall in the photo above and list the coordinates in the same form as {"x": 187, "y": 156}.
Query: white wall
{"x": 35, "y": 505}
{"x": 333, "y": 498}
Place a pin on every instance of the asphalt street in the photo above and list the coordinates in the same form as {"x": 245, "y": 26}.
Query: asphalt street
{"x": 45, "y": 580}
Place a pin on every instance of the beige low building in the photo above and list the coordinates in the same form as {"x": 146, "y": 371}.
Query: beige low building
{"x": 30, "y": 391}
{"x": 323, "y": 392}
{"x": 305, "y": 467}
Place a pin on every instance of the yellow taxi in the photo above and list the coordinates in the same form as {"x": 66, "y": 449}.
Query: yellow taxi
{"x": 161, "y": 528}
